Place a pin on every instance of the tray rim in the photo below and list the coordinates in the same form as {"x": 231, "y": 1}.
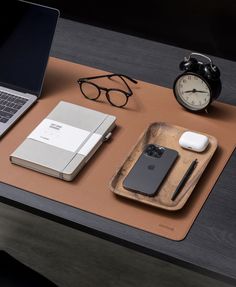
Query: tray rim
{"x": 184, "y": 200}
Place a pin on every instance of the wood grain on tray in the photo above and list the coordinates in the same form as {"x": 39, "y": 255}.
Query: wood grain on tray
{"x": 168, "y": 136}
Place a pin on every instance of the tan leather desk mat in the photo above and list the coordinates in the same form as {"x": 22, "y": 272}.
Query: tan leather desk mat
{"x": 90, "y": 190}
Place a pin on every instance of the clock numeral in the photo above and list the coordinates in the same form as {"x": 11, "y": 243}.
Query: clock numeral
{"x": 189, "y": 77}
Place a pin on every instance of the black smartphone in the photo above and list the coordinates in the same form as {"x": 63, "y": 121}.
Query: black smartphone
{"x": 150, "y": 170}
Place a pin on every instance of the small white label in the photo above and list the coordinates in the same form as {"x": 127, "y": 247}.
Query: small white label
{"x": 59, "y": 135}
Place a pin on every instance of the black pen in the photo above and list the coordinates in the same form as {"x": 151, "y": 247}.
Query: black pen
{"x": 184, "y": 179}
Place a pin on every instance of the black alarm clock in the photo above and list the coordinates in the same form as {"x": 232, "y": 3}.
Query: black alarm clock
{"x": 198, "y": 85}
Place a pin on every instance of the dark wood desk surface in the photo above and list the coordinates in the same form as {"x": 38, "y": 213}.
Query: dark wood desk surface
{"x": 210, "y": 246}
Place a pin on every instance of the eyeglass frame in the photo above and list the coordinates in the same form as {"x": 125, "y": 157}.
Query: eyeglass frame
{"x": 100, "y": 88}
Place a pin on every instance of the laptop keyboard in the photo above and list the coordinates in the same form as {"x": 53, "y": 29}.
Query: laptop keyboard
{"x": 9, "y": 105}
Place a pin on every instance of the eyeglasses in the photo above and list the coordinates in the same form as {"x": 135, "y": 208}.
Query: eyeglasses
{"x": 115, "y": 97}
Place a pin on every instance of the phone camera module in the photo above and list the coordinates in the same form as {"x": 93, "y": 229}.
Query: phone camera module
{"x": 154, "y": 151}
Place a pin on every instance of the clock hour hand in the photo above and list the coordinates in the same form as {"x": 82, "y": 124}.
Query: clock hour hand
{"x": 194, "y": 91}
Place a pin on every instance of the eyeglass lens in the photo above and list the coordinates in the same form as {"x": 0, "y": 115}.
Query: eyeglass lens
{"x": 115, "y": 97}
{"x": 89, "y": 90}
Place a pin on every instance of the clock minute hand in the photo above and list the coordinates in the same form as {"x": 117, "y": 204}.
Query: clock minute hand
{"x": 190, "y": 91}
{"x": 194, "y": 91}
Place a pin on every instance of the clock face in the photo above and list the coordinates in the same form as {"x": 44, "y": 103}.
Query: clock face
{"x": 192, "y": 92}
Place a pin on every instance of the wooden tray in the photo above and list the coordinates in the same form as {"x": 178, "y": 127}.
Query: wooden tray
{"x": 166, "y": 135}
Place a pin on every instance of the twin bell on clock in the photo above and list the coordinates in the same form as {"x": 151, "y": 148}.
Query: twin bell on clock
{"x": 199, "y": 84}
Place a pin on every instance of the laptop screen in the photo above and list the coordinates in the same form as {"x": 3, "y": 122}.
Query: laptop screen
{"x": 26, "y": 36}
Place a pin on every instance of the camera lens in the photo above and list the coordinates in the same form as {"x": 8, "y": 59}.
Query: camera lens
{"x": 154, "y": 151}
{"x": 149, "y": 150}
{"x": 160, "y": 151}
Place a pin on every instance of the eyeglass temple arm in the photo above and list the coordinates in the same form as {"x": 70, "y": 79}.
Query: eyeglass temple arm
{"x": 121, "y": 76}
{"x": 109, "y": 76}
{"x": 93, "y": 78}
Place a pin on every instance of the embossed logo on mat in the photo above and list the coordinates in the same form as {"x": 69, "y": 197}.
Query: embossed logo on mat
{"x": 166, "y": 227}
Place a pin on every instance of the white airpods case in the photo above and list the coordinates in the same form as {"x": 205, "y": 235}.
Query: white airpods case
{"x": 194, "y": 141}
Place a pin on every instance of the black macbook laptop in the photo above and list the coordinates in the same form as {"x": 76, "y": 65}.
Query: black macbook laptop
{"x": 25, "y": 44}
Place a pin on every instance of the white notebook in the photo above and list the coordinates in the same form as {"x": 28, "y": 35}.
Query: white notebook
{"x": 64, "y": 141}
